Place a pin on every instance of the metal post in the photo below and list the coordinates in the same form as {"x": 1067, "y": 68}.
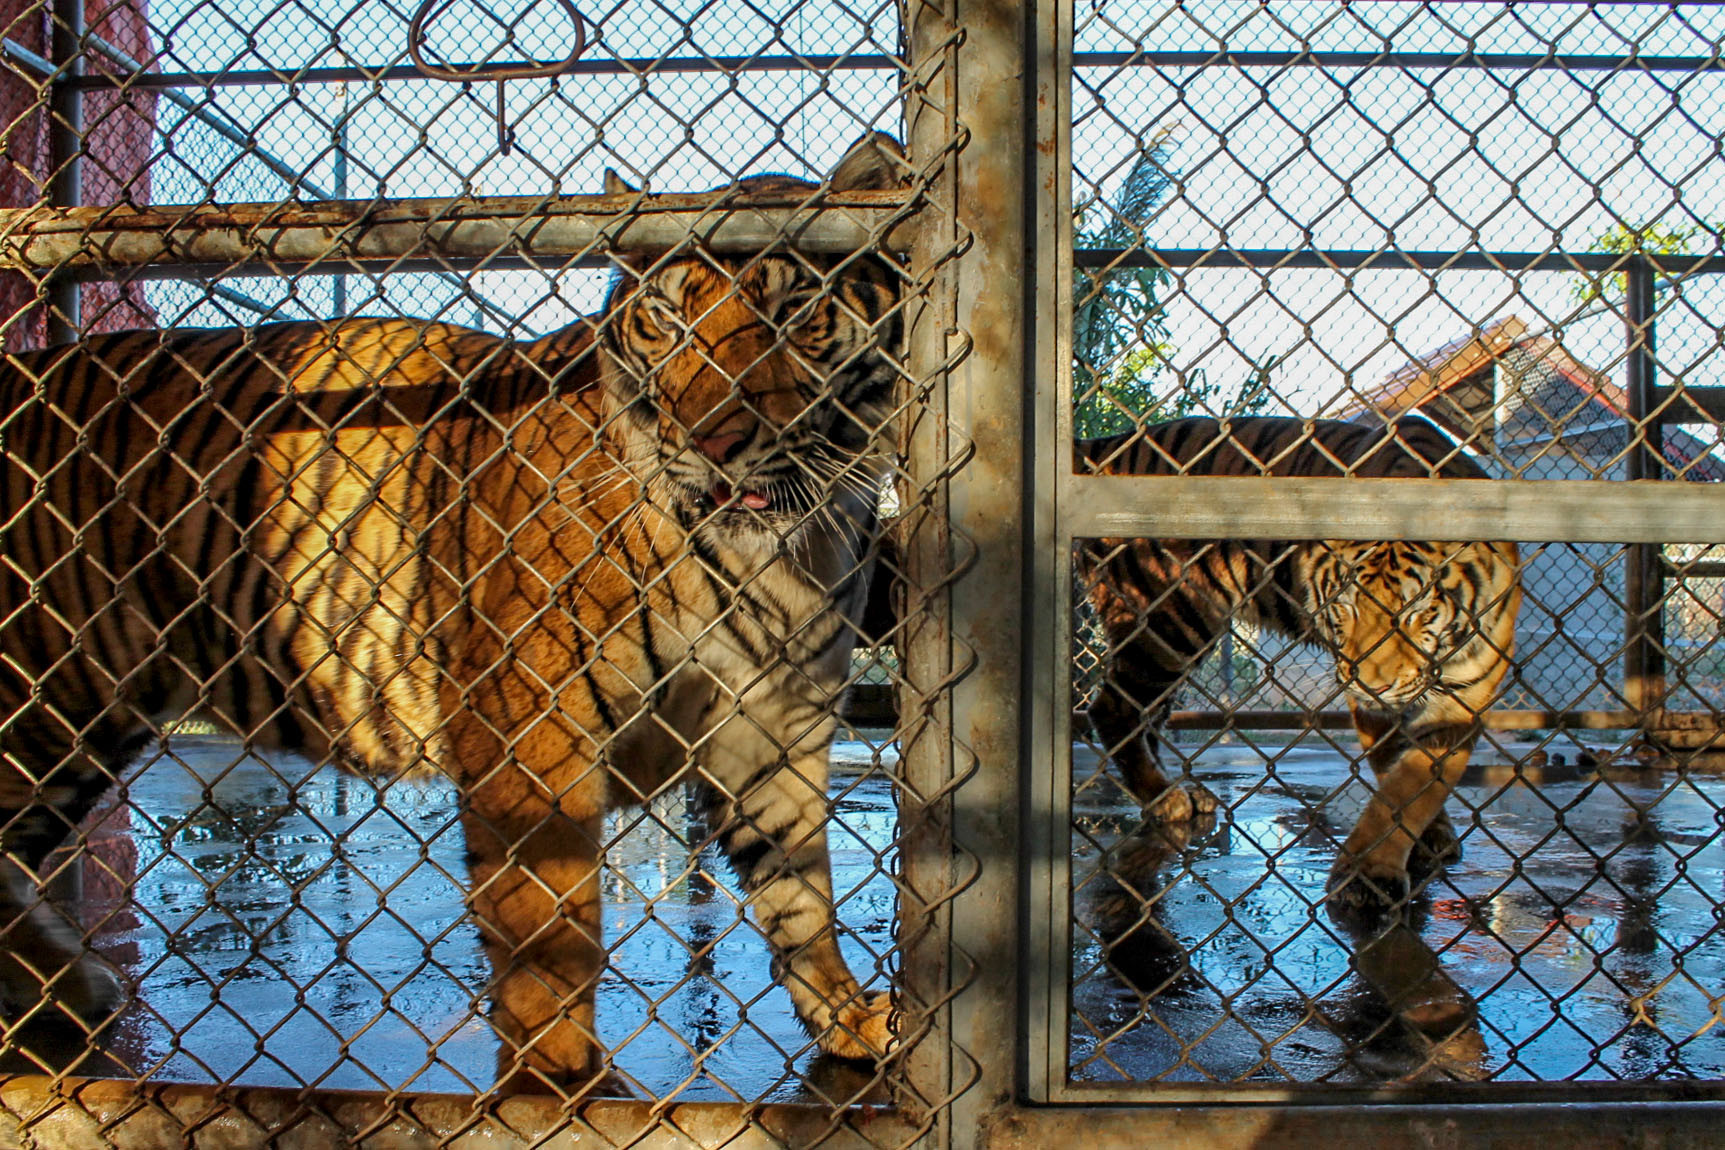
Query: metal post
{"x": 338, "y": 290}
{"x": 1048, "y": 621}
{"x": 968, "y": 343}
{"x": 65, "y": 152}
{"x": 1644, "y": 577}
{"x": 925, "y": 729}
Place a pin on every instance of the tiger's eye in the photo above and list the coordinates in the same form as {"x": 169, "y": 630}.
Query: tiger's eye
{"x": 661, "y": 313}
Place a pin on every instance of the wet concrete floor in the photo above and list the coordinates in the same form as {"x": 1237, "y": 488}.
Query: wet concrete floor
{"x": 262, "y": 954}
{"x": 1579, "y": 937}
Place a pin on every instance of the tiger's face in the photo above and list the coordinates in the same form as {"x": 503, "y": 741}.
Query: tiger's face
{"x": 758, "y": 390}
{"x": 1396, "y": 616}
{"x": 763, "y": 388}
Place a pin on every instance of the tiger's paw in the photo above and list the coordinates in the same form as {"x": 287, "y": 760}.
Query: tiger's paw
{"x": 1364, "y": 891}
{"x": 865, "y": 1030}
{"x": 1182, "y": 802}
{"x": 1437, "y": 848}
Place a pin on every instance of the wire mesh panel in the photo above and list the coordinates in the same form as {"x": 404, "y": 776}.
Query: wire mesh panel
{"x": 1431, "y": 809}
{"x": 441, "y": 539}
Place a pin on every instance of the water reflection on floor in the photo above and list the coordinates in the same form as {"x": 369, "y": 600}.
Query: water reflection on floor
{"x": 1578, "y": 938}
{"x": 263, "y": 955}
{"x": 296, "y": 927}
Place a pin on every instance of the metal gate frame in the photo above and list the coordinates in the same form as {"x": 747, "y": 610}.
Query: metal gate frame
{"x": 1062, "y": 507}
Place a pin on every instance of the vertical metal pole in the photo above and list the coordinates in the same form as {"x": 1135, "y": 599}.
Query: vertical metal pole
{"x": 926, "y": 739}
{"x": 1046, "y": 756}
{"x": 65, "y": 153}
{"x": 966, "y": 117}
{"x": 338, "y": 300}
{"x": 1644, "y": 576}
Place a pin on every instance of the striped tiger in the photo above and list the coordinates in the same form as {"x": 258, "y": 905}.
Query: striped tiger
{"x": 1421, "y": 633}
{"x": 568, "y": 573}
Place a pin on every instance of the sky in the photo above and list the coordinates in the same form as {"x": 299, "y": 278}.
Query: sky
{"x": 1441, "y": 159}
{"x": 1294, "y": 156}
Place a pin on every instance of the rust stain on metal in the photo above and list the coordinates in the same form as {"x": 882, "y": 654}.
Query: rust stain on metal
{"x": 46, "y": 1114}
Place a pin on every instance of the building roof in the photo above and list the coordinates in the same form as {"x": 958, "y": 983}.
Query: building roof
{"x": 1460, "y": 386}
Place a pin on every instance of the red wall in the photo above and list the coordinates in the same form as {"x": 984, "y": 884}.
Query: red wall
{"x": 119, "y": 140}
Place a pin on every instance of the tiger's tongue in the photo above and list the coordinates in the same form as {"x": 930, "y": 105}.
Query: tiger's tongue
{"x": 753, "y": 500}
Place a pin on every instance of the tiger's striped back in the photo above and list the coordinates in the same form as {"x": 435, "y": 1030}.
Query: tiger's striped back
{"x": 1194, "y": 585}
{"x": 239, "y": 525}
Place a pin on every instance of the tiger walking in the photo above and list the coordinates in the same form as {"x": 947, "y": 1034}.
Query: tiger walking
{"x": 1422, "y": 633}
{"x": 568, "y": 573}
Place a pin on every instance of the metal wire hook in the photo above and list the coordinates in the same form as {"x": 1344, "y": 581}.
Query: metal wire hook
{"x": 467, "y": 73}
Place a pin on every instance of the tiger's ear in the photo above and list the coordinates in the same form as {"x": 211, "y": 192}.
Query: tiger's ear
{"x": 629, "y": 263}
{"x": 875, "y": 163}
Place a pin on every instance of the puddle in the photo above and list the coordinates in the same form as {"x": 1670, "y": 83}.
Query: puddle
{"x": 263, "y": 954}
{"x": 294, "y": 927}
{"x": 1577, "y": 939}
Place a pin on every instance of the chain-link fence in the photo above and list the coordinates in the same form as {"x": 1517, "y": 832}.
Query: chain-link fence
{"x": 1345, "y": 812}
{"x": 738, "y": 574}
{"x": 441, "y": 538}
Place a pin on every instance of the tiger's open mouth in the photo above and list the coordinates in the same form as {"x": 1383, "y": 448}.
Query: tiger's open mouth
{"x": 726, "y": 498}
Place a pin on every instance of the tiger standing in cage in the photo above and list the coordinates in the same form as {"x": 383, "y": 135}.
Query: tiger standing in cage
{"x": 567, "y": 573}
{"x": 1422, "y": 633}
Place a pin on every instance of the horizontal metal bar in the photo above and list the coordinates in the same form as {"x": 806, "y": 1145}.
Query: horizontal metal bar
{"x": 836, "y": 62}
{"x": 391, "y": 73}
{"x": 1522, "y": 510}
{"x": 1519, "y": 61}
{"x": 1388, "y": 259}
{"x": 59, "y": 1114}
{"x": 1709, "y": 401}
{"x": 351, "y": 235}
{"x": 874, "y": 705}
{"x": 1576, "y": 1122}
{"x": 1504, "y": 720}
{"x": 1695, "y": 569}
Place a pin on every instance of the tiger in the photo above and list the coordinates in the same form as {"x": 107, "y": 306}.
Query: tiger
{"x": 1422, "y": 633}
{"x": 569, "y": 573}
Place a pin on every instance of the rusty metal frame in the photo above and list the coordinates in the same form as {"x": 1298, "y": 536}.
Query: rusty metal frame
{"x": 1063, "y": 506}
{"x": 396, "y": 235}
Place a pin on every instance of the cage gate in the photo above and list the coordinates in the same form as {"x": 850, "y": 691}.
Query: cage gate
{"x": 1375, "y": 782}
{"x": 1146, "y": 814}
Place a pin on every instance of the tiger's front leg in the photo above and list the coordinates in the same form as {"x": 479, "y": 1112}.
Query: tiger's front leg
{"x": 1439, "y": 845}
{"x": 532, "y": 818}
{"x": 1404, "y": 835}
{"x": 766, "y": 769}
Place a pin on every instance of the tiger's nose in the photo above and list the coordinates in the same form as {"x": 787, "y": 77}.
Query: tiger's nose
{"x": 719, "y": 448}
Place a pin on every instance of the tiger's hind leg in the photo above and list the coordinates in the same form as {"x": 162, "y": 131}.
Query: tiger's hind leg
{"x": 49, "y": 979}
{"x": 1131, "y": 703}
